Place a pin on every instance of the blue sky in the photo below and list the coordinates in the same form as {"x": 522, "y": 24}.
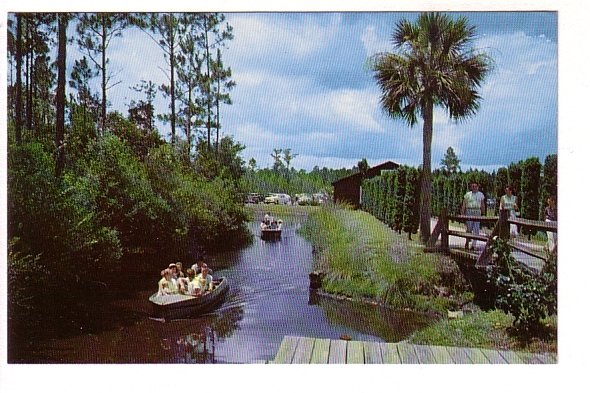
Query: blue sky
{"x": 303, "y": 83}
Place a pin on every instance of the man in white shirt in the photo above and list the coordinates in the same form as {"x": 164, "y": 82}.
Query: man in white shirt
{"x": 473, "y": 205}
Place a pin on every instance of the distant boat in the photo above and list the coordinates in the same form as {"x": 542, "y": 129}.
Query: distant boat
{"x": 271, "y": 231}
{"x": 270, "y": 234}
{"x": 182, "y": 306}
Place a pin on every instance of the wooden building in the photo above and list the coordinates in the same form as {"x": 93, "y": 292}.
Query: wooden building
{"x": 348, "y": 189}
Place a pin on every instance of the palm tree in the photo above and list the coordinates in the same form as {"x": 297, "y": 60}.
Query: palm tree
{"x": 433, "y": 64}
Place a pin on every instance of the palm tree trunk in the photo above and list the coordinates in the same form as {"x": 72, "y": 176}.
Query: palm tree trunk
{"x": 426, "y": 184}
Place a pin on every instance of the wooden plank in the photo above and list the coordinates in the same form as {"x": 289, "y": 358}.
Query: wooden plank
{"x": 529, "y": 358}
{"x": 527, "y": 251}
{"x": 463, "y": 253}
{"x": 372, "y": 352}
{"x": 303, "y": 351}
{"x": 424, "y": 354}
{"x": 321, "y": 351}
{"x": 542, "y": 225}
{"x": 355, "y": 353}
{"x": 477, "y": 356}
{"x": 337, "y": 352}
{"x": 389, "y": 353}
{"x": 441, "y": 355}
{"x": 407, "y": 354}
{"x": 286, "y": 350}
{"x": 512, "y": 357}
{"x": 545, "y": 358}
{"x": 494, "y": 356}
{"x": 462, "y": 218}
{"x": 466, "y": 235}
{"x": 459, "y": 355}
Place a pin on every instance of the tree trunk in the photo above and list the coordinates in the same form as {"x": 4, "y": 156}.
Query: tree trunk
{"x": 19, "y": 84}
{"x": 29, "y": 72}
{"x": 218, "y": 123}
{"x": 172, "y": 87}
{"x": 188, "y": 121}
{"x": 62, "y": 23}
{"x": 426, "y": 184}
{"x": 104, "y": 74}
{"x": 208, "y": 84}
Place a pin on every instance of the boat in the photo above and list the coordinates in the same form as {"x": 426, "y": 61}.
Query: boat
{"x": 270, "y": 231}
{"x": 270, "y": 234}
{"x": 178, "y": 306}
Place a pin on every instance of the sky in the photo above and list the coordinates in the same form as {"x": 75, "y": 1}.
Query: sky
{"x": 302, "y": 82}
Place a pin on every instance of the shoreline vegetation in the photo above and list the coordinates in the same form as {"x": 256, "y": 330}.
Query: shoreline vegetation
{"x": 364, "y": 260}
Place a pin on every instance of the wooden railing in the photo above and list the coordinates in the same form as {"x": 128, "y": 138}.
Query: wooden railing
{"x": 501, "y": 229}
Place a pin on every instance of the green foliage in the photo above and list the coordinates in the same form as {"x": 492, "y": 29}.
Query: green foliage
{"x": 54, "y": 232}
{"x": 530, "y": 190}
{"x": 478, "y": 330}
{"x": 527, "y": 296}
{"x": 264, "y": 181}
{"x": 394, "y": 198}
{"x": 355, "y": 251}
{"x": 450, "y": 162}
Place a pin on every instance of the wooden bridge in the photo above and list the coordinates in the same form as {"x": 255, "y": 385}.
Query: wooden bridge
{"x": 308, "y": 350}
{"x": 531, "y": 255}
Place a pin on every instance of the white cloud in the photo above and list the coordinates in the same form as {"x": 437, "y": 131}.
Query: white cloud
{"x": 372, "y": 43}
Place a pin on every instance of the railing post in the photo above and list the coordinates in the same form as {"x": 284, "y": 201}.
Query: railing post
{"x": 504, "y": 225}
{"x": 444, "y": 237}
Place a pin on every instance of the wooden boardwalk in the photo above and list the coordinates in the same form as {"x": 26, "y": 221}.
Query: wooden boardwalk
{"x": 304, "y": 350}
{"x": 526, "y": 253}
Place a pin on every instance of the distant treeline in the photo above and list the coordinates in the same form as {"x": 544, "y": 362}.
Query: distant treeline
{"x": 264, "y": 181}
{"x": 394, "y": 196}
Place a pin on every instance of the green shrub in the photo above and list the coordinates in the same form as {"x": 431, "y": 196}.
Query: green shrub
{"x": 527, "y": 296}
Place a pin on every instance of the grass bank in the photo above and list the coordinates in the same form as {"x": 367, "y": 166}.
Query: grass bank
{"x": 363, "y": 258}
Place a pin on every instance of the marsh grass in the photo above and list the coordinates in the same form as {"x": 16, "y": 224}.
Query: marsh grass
{"x": 491, "y": 329}
{"x": 362, "y": 257}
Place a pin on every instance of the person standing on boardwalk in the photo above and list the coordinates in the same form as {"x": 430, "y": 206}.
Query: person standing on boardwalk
{"x": 508, "y": 201}
{"x": 473, "y": 205}
{"x": 551, "y": 216}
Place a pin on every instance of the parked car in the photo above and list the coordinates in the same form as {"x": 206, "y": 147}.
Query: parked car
{"x": 272, "y": 199}
{"x": 253, "y": 197}
{"x": 278, "y": 199}
{"x": 303, "y": 199}
{"x": 320, "y": 198}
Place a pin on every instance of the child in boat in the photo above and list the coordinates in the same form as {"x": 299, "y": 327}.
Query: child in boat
{"x": 166, "y": 286}
{"x": 188, "y": 284}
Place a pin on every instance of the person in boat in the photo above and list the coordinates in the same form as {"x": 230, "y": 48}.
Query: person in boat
{"x": 280, "y": 224}
{"x": 166, "y": 286}
{"x": 179, "y": 273}
{"x": 273, "y": 225}
{"x": 203, "y": 281}
{"x": 189, "y": 283}
{"x": 197, "y": 266}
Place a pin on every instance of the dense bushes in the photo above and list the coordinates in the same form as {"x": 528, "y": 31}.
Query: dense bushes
{"x": 532, "y": 183}
{"x": 527, "y": 296}
{"x": 110, "y": 206}
{"x": 394, "y": 198}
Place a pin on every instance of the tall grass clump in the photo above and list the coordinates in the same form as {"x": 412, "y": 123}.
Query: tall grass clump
{"x": 363, "y": 258}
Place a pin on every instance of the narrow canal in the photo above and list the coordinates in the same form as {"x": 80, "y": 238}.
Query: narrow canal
{"x": 269, "y": 298}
